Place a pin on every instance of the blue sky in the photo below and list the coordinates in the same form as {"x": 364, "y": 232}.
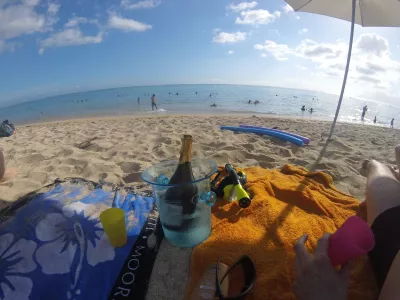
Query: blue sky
{"x": 54, "y": 47}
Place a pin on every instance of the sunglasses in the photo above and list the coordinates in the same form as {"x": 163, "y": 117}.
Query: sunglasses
{"x": 247, "y": 272}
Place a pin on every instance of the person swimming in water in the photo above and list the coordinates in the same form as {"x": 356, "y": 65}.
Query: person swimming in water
{"x": 256, "y": 102}
{"x": 213, "y": 105}
{"x": 303, "y": 108}
{"x": 249, "y": 102}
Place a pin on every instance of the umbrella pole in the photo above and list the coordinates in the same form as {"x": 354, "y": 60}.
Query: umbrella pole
{"x": 353, "y": 16}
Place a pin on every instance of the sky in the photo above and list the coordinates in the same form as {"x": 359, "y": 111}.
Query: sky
{"x": 55, "y": 47}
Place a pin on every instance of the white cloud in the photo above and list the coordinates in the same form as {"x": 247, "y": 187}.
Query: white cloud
{"x": 225, "y": 37}
{"x": 127, "y": 25}
{"x": 372, "y": 65}
{"x": 31, "y": 2}
{"x": 53, "y": 8}
{"x": 75, "y": 21}
{"x": 279, "y": 51}
{"x": 6, "y": 46}
{"x": 301, "y": 67}
{"x": 242, "y": 6}
{"x": 303, "y": 31}
{"x": 230, "y": 52}
{"x": 17, "y": 20}
{"x": 373, "y": 43}
{"x": 257, "y": 16}
{"x": 22, "y": 17}
{"x": 141, "y": 4}
{"x": 69, "y": 37}
{"x": 287, "y": 9}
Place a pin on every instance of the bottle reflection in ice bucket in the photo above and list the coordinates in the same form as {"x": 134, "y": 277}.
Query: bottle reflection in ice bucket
{"x": 113, "y": 221}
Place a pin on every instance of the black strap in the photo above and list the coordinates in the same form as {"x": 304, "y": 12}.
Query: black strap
{"x": 139, "y": 264}
{"x": 249, "y": 271}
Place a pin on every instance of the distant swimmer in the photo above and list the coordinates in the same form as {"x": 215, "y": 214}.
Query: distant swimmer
{"x": 213, "y": 105}
{"x": 196, "y": 93}
{"x": 169, "y": 93}
{"x": 375, "y": 120}
{"x": 303, "y": 108}
{"x": 276, "y": 95}
{"x": 392, "y": 123}
{"x": 82, "y": 100}
{"x": 210, "y": 95}
{"x": 311, "y": 110}
{"x": 153, "y": 102}
{"x": 177, "y": 94}
{"x": 256, "y": 102}
{"x": 138, "y": 100}
{"x": 249, "y": 102}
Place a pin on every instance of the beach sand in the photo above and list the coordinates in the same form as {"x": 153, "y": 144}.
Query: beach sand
{"x": 125, "y": 146}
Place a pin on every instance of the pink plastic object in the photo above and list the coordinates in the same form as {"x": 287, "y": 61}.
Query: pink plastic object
{"x": 352, "y": 239}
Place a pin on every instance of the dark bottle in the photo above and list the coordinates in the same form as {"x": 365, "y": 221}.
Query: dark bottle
{"x": 185, "y": 194}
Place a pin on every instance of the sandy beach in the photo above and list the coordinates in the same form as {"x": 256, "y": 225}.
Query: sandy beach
{"x": 123, "y": 147}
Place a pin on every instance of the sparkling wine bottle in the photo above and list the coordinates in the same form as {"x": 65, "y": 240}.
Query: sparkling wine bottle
{"x": 184, "y": 195}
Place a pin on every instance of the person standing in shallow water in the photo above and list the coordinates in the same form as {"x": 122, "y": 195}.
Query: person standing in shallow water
{"x": 375, "y": 120}
{"x": 392, "y": 123}
{"x": 153, "y": 102}
{"x": 365, "y": 109}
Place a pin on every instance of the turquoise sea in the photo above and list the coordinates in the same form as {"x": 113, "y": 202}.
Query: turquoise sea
{"x": 196, "y": 99}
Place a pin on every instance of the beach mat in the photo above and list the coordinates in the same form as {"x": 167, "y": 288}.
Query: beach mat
{"x": 286, "y": 204}
{"x": 52, "y": 244}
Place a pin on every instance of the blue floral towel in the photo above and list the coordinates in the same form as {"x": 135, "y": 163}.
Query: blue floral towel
{"x": 53, "y": 245}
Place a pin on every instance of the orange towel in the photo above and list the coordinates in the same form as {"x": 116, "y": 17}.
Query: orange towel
{"x": 286, "y": 204}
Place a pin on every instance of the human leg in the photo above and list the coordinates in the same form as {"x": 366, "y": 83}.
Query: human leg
{"x": 383, "y": 188}
{"x": 383, "y": 214}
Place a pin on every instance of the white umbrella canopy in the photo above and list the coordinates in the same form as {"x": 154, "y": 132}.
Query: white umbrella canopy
{"x": 369, "y": 13}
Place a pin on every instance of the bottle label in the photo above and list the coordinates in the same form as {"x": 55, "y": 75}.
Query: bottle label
{"x": 186, "y": 151}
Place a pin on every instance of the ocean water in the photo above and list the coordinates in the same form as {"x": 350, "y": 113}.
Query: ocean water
{"x": 196, "y": 99}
